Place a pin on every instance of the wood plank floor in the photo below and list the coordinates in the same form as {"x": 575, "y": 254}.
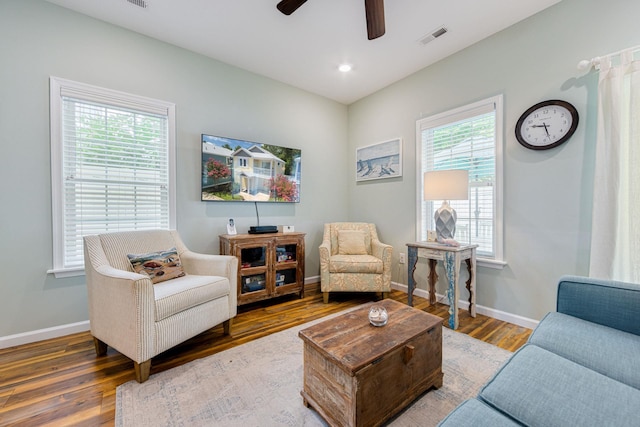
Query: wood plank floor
{"x": 61, "y": 382}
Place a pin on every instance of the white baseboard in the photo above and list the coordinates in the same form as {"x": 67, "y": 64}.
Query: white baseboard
{"x": 487, "y": 311}
{"x": 43, "y": 334}
{"x": 311, "y": 280}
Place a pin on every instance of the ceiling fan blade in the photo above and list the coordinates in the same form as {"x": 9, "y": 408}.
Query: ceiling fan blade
{"x": 289, "y": 6}
{"x": 375, "y": 18}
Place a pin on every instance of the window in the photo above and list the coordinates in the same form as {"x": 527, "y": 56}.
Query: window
{"x": 468, "y": 138}
{"x": 112, "y": 164}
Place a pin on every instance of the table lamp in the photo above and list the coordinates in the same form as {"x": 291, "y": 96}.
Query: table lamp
{"x": 446, "y": 185}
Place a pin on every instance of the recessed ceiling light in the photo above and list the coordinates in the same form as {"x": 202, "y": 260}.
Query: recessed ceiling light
{"x": 345, "y": 68}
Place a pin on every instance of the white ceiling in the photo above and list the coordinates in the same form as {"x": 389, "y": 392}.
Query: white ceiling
{"x": 305, "y": 48}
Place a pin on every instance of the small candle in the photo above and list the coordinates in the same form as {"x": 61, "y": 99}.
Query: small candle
{"x": 378, "y": 316}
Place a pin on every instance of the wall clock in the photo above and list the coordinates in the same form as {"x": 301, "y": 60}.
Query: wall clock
{"x": 547, "y": 124}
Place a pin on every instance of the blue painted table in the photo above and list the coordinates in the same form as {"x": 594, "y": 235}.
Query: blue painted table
{"x": 452, "y": 257}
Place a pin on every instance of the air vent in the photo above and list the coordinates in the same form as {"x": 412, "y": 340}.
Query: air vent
{"x": 432, "y": 35}
{"x": 140, "y": 3}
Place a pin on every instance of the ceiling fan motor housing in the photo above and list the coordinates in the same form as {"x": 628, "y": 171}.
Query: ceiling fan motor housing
{"x": 374, "y": 10}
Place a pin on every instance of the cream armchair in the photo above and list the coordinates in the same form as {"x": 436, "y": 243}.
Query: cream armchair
{"x": 352, "y": 259}
{"x": 141, "y": 319}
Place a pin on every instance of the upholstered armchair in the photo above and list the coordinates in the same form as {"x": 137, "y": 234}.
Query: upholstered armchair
{"x": 352, "y": 259}
{"x": 171, "y": 295}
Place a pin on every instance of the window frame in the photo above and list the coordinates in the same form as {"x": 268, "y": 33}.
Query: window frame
{"x": 452, "y": 116}
{"x": 58, "y": 86}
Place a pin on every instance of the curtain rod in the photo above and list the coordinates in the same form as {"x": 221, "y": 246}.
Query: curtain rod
{"x": 586, "y": 64}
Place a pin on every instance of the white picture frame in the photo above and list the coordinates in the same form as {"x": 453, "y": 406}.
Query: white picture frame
{"x": 379, "y": 161}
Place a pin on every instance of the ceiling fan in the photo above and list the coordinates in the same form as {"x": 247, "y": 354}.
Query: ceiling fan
{"x": 374, "y": 10}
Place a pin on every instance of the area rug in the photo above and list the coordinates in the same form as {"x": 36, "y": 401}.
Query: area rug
{"x": 259, "y": 383}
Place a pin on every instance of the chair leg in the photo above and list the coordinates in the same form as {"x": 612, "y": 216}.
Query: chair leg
{"x": 100, "y": 346}
{"x": 325, "y": 297}
{"x": 226, "y": 325}
{"x": 143, "y": 369}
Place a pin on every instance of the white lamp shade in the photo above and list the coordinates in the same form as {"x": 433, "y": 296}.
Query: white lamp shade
{"x": 446, "y": 185}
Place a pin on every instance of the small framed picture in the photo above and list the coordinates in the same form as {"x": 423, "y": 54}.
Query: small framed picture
{"x": 378, "y": 161}
{"x": 231, "y": 227}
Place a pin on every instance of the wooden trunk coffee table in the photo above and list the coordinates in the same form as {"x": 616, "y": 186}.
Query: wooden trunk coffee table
{"x": 356, "y": 374}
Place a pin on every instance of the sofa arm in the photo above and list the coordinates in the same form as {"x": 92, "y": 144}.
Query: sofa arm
{"x": 209, "y": 265}
{"x": 606, "y": 302}
{"x": 381, "y": 251}
{"x": 122, "y": 310}
{"x": 214, "y": 265}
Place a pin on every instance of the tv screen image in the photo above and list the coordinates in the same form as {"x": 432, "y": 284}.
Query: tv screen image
{"x": 243, "y": 171}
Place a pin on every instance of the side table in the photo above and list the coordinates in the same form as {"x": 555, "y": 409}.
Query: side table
{"x": 452, "y": 257}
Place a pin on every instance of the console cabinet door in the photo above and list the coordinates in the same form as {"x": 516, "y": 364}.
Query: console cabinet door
{"x": 255, "y": 272}
{"x": 289, "y": 259}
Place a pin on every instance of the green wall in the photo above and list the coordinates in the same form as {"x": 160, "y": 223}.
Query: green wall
{"x": 38, "y": 40}
{"x": 547, "y": 194}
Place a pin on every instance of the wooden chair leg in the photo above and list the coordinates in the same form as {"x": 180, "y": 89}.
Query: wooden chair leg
{"x": 227, "y": 326}
{"x": 325, "y": 297}
{"x": 100, "y": 346}
{"x": 143, "y": 369}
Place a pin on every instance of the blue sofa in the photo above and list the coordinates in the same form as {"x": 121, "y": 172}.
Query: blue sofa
{"x": 580, "y": 367}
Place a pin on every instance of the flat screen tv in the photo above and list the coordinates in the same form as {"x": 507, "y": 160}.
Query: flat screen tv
{"x": 243, "y": 171}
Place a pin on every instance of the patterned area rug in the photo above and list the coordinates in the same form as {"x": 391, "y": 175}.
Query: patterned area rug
{"x": 259, "y": 383}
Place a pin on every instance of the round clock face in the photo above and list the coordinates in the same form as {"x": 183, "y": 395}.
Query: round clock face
{"x": 547, "y": 125}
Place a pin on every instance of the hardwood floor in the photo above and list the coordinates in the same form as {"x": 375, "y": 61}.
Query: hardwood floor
{"x": 62, "y": 382}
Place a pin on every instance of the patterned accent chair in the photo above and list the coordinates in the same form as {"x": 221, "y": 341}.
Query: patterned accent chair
{"x": 352, "y": 259}
{"x": 141, "y": 319}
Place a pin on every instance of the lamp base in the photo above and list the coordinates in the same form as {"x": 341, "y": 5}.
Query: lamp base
{"x": 445, "y": 218}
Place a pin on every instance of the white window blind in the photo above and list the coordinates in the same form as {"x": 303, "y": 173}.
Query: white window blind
{"x": 112, "y": 164}
{"x": 467, "y": 138}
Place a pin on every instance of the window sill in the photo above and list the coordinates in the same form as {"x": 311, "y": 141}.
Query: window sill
{"x": 491, "y": 263}
{"x": 61, "y": 273}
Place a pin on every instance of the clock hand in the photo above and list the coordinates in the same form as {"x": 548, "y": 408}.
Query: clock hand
{"x": 546, "y": 128}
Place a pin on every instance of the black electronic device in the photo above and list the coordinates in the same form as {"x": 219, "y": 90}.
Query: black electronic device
{"x": 263, "y": 229}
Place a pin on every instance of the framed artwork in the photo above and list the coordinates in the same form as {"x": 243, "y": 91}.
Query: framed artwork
{"x": 378, "y": 161}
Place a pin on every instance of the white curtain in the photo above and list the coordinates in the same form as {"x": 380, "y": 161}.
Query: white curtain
{"x": 615, "y": 239}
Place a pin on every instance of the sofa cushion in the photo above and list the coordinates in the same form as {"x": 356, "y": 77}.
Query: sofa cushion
{"x": 159, "y": 266}
{"x": 117, "y": 245}
{"x": 351, "y": 242}
{"x": 355, "y": 264}
{"x": 538, "y": 387}
{"x": 608, "y": 351}
{"x": 474, "y": 413}
{"x": 335, "y": 228}
{"x": 606, "y": 302}
{"x": 177, "y": 295}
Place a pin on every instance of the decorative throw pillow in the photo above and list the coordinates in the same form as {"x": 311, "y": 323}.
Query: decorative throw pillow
{"x": 351, "y": 242}
{"x": 159, "y": 266}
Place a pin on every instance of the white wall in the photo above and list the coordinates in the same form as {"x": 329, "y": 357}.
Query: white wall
{"x": 38, "y": 40}
{"x": 547, "y": 194}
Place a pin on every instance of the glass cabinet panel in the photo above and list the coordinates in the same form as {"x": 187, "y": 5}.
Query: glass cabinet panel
{"x": 286, "y": 277}
{"x": 286, "y": 253}
{"x": 253, "y": 257}
{"x": 254, "y": 283}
